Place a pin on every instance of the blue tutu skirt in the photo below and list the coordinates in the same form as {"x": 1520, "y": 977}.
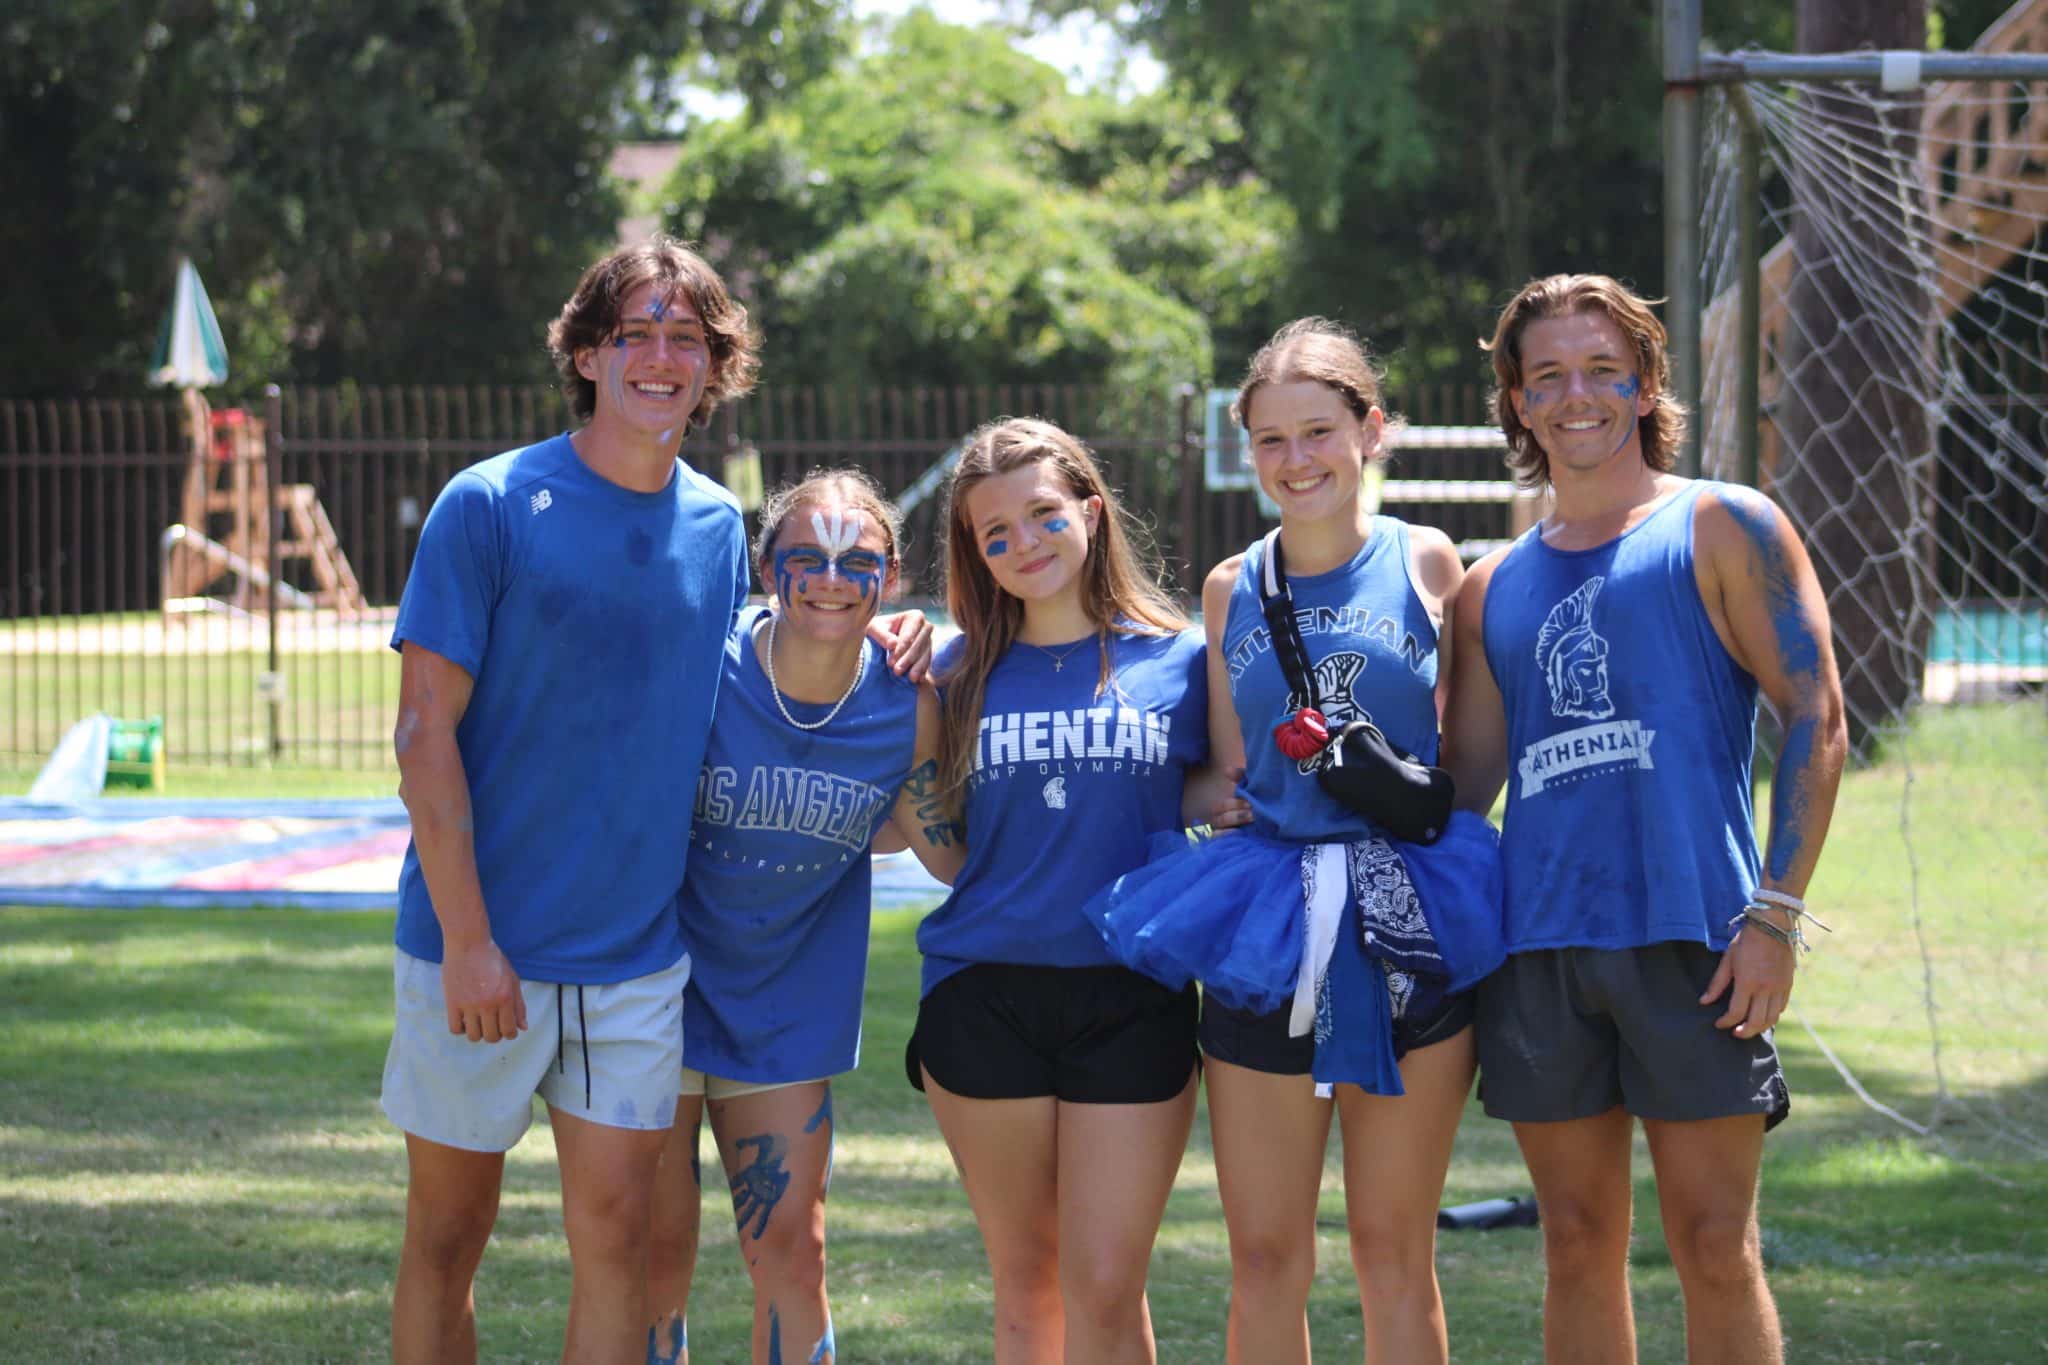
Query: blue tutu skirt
{"x": 1228, "y": 912}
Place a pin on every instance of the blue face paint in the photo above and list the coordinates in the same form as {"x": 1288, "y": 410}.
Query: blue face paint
{"x": 1534, "y": 396}
{"x": 659, "y": 308}
{"x": 800, "y": 566}
{"x": 997, "y": 549}
{"x": 826, "y": 1349}
{"x": 1056, "y": 524}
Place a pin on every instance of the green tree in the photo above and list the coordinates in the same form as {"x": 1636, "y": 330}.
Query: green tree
{"x": 941, "y": 210}
{"x": 380, "y": 190}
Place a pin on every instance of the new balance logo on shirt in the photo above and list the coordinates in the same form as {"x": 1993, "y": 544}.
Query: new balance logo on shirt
{"x": 541, "y": 501}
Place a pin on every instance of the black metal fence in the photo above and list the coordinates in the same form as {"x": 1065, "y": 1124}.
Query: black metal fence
{"x": 90, "y": 492}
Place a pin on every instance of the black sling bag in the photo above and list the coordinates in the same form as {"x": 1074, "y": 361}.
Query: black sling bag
{"x": 1359, "y": 766}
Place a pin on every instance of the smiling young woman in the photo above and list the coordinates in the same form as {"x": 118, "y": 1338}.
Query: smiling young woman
{"x": 1074, "y": 733}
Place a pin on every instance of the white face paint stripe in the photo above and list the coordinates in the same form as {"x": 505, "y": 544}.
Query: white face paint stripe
{"x": 838, "y": 535}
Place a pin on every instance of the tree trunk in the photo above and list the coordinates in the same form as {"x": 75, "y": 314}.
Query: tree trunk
{"x": 1858, "y": 368}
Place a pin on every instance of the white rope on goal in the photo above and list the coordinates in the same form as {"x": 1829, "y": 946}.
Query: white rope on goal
{"x": 1905, "y": 428}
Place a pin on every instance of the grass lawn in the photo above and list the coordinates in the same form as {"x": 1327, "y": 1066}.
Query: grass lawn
{"x": 193, "y": 1167}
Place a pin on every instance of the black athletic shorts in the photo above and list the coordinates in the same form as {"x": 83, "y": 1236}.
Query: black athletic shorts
{"x": 1569, "y": 1033}
{"x": 1087, "y": 1035}
{"x": 1260, "y": 1042}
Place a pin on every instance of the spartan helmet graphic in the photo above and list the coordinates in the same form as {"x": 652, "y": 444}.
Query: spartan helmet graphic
{"x": 1335, "y": 679}
{"x": 1574, "y": 656}
{"x": 1055, "y": 793}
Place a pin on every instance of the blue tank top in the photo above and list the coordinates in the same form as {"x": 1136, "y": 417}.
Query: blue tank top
{"x": 1373, "y": 646}
{"x": 775, "y": 907}
{"x": 1630, "y": 727}
{"x": 1067, "y": 790}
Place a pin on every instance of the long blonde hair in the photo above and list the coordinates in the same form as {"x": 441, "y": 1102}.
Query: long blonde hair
{"x": 1119, "y": 584}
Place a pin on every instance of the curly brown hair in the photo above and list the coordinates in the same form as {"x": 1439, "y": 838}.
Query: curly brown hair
{"x": 591, "y": 318}
{"x": 1560, "y": 296}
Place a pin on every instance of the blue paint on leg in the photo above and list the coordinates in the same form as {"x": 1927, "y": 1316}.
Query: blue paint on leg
{"x": 826, "y": 1350}
{"x": 823, "y": 1118}
{"x": 758, "y": 1188}
{"x": 774, "y": 1336}
{"x": 678, "y": 1336}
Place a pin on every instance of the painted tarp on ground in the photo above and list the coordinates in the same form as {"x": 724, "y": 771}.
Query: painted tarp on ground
{"x": 321, "y": 855}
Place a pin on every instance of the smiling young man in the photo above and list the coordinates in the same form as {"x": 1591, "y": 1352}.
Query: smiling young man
{"x": 561, "y": 633}
{"x": 1607, "y": 666}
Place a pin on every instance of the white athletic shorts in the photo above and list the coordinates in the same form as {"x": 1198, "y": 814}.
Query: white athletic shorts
{"x": 609, "y": 1054}
{"x": 696, "y": 1082}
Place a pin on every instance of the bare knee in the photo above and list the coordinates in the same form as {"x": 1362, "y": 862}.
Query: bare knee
{"x": 1393, "y": 1257}
{"x": 447, "y": 1238}
{"x": 1102, "y": 1287}
{"x": 1715, "y": 1248}
{"x": 1582, "y": 1240}
{"x": 1272, "y": 1265}
{"x": 789, "y": 1253}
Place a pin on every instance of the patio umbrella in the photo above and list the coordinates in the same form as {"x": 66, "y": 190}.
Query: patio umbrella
{"x": 189, "y": 351}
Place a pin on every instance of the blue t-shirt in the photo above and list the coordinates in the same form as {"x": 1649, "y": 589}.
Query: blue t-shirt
{"x": 1067, "y": 790}
{"x": 591, "y": 619}
{"x": 775, "y": 908}
{"x": 1373, "y": 646}
{"x": 1630, "y": 727}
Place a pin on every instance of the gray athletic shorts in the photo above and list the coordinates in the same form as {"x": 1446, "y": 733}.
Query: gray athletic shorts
{"x": 1568, "y": 1033}
{"x": 610, "y": 1054}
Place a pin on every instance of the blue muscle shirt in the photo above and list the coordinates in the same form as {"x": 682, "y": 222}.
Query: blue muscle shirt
{"x": 776, "y": 905}
{"x": 1067, "y": 790}
{"x": 1373, "y": 645}
{"x": 591, "y": 619}
{"x": 1629, "y": 817}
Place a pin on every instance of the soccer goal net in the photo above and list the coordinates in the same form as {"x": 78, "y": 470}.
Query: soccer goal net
{"x": 1900, "y": 240}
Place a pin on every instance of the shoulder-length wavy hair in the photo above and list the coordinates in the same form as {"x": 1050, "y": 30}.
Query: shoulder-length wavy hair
{"x": 591, "y": 318}
{"x": 1562, "y": 296}
{"x": 1119, "y": 581}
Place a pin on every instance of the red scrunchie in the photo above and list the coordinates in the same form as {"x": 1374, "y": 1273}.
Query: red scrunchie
{"x": 1303, "y": 735}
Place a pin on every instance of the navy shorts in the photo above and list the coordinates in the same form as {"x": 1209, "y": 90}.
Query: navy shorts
{"x": 1087, "y": 1035}
{"x": 1568, "y": 1033}
{"x": 1260, "y": 1042}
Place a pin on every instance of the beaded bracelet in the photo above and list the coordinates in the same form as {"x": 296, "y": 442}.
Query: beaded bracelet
{"x": 1764, "y": 899}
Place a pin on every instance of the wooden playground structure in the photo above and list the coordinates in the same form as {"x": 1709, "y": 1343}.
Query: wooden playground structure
{"x": 1986, "y": 181}
{"x": 228, "y": 510}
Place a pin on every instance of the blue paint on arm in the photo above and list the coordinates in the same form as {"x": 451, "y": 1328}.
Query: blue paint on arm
{"x": 826, "y": 1350}
{"x": 1789, "y": 803}
{"x": 1798, "y": 647}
